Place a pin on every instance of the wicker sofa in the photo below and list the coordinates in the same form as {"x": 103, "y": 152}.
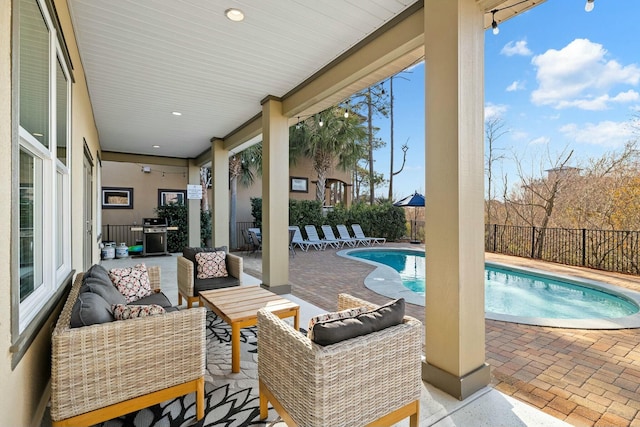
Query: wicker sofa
{"x": 373, "y": 379}
{"x": 106, "y": 370}
{"x": 189, "y": 286}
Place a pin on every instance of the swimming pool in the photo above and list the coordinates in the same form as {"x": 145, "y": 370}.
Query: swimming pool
{"x": 511, "y": 294}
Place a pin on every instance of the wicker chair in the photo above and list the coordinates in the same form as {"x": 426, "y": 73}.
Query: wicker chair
{"x": 371, "y": 380}
{"x": 106, "y": 370}
{"x": 189, "y": 286}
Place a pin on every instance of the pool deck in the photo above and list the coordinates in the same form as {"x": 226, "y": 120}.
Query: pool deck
{"x": 584, "y": 377}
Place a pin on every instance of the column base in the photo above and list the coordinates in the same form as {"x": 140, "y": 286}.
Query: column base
{"x": 458, "y": 387}
{"x": 277, "y": 289}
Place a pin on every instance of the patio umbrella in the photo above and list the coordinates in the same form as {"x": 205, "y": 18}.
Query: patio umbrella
{"x": 414, "y": 200}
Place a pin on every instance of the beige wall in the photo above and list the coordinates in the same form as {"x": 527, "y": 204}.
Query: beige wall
{"x": 145, "y": 188}
{"x": 26, "y": 390}
{"x": 303, "y": 168}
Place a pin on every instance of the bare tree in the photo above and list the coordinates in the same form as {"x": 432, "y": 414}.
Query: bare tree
{"x": 493, "y": 130}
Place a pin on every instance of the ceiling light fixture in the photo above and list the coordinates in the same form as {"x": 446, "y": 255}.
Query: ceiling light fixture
{"x": 588, "y": 7}
{"x": 155, "y": 146}
{"x": 494, "y": 24}
{"x": 176, "y": 113}
{"x": 233, "y": 14}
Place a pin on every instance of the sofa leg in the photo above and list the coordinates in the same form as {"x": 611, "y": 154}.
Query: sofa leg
{"x": 200, "y": 399}
{"x": 264, "y": 410}
{"x": 179, "y": 298}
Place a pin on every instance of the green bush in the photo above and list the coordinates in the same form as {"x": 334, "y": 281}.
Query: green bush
{"x": 380, "y": 220}
{"x": 178, "y": 216}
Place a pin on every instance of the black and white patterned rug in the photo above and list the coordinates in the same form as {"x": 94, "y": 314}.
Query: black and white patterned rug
{"x": 231, "y": 400}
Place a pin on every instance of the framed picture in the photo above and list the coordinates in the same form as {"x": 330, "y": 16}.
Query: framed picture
{"x": 167, "y": 197}
{"x": 299, "y": 185}
{"x": 117, "y": 198}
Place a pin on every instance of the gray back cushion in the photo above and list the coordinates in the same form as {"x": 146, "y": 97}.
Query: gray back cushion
{"x": 97, "y": 281}
{"x": 334, "y": 331}
{"x": 90, "y": 309}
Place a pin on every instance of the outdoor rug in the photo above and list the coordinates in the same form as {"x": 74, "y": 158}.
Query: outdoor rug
{"x": 231, "y": 400}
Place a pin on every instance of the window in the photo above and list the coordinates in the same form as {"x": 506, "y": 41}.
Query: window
{"x": 44, "y": 256}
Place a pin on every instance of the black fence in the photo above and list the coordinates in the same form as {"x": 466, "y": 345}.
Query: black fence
{"x": 608, "y": 250}
{"x": 121, "y": 233}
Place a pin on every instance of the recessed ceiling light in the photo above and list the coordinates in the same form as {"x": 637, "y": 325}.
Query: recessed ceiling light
{"x": 176, "y": 113}
{"x": 235, "y": 15}
{"x": 155, "y": 146}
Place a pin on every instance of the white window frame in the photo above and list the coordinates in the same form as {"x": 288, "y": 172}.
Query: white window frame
{"x": 53, "y": 276}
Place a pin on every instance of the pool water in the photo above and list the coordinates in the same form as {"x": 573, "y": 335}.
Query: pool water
{"x": 514, "y": 292}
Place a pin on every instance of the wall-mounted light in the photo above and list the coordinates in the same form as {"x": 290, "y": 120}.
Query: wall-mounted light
{"x": 494, "y": 24}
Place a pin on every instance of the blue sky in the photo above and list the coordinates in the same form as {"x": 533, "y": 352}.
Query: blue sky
{"x": 558, "y": 77}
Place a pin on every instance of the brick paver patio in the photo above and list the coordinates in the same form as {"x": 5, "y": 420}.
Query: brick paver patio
{"x": 585, "y": 377}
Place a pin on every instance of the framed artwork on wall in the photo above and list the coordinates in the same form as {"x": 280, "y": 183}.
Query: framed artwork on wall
{"x": 117, "y": 198}
{"x": 167, "y": 197}
{"x": 299, "y": 185}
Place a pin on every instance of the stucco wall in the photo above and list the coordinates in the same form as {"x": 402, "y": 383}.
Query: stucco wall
{"x": 145, "y": 188}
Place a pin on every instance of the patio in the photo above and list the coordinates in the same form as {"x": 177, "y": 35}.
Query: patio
{"x": 583, "y": 377}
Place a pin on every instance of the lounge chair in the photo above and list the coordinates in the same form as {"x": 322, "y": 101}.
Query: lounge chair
{"x": 344, "y": 234}
{"x": 312, "y": 234}
{"x": 328, "y": 235}
{"x": 304, "y": 244}
{"x": 357, "y": 231}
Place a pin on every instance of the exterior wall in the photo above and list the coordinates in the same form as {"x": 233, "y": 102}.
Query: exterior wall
{"x": 303, "y": 169}
{"x": 145, "y": 188}
{"x": 26, "y": 385}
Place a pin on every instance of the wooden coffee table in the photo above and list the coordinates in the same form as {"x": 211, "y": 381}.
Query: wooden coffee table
{"x": 239, "y": 305}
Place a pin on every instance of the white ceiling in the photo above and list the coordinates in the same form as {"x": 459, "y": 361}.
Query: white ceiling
{"x": 145, "y": 59}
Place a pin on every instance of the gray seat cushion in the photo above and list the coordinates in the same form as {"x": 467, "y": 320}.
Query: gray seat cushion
{"x": 215, "y": 283}
{"x": 90, "y": 309}
{"x": 155, "y": 298}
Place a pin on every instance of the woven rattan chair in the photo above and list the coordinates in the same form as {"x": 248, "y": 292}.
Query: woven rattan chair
{"x": 373, "y": 379}
{"x": 103, "y": 371}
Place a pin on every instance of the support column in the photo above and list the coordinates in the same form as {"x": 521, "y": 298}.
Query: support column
{"x": 275, "y": 197}
{"x": 454, "y": 300}
{"x": 220, "y": 196}
{"x": 194, "y": 207}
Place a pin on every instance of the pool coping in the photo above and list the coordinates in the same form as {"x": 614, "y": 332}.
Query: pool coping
{"x": 386, "y": 281}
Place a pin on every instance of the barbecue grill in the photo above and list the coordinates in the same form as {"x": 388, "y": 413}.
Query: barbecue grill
{"x": 154, "y": 231}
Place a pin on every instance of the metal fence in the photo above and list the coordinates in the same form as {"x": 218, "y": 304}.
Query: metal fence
{"x": 608, "y": 250}
{"x": 121, "y": 233}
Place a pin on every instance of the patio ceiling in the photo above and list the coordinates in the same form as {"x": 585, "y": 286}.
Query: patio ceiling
{"x": 144, "y": 60}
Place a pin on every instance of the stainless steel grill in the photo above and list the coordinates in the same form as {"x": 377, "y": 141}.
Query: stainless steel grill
{"x": 154, "y": 231}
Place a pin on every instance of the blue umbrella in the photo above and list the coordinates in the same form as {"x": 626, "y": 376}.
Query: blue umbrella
{"x": 414, "y": 200}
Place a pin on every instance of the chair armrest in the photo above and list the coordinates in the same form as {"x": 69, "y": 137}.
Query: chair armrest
{"x": 154, "y": 277}
{"x": 312, "y": 381}
{"x": 185, "y": 276}
{"x": 235, "y": 266}
{"x": 99, "y": 365}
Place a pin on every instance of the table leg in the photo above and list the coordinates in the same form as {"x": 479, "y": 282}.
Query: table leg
{"x": 296, "y": 320}
{"x": 235, "y": 348}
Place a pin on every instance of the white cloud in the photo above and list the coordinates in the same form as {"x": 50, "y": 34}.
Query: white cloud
{"x": 543, "y": 140}
{"x": 516, "y": 85}
{"x": 607, "y": 133}
{"x": 493, "y": 111}
{"x": 516, "y": 48}
{"x": 579, "y": 75}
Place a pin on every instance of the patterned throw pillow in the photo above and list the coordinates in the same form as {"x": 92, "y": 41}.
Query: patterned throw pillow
{"x": 132, "y": 282}
{"x": 338, "y": 315}
{"x": 124, "y": 312}
{"x": 212, "y": 264}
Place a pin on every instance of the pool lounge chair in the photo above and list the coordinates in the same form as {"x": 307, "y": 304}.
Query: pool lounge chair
{"x": 357, "y": 231}
{"x": 344, "y": 234}
{"x": 328, "y": 235}
{"x": 312, "y": 234}
{"x": 304, "y": 244}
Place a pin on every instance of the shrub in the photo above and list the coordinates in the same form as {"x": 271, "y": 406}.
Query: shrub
{"x": 177, "y": 215}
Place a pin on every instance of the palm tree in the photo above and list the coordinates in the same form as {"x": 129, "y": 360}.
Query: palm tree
{"x": 326, "y": 137}
{"x": 241, "y": 169}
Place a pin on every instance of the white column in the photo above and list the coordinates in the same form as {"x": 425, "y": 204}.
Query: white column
{"x": 194, "y": 207}
{"x": 454, "y": 86}
{"x": 220, "y": 196}
{"x": 275, "y": 197}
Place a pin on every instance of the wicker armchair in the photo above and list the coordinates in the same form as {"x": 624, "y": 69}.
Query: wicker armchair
{"x": 373, "y": 379}
{"x": 189, "y": 286}
{"x": 106, "y": 370}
